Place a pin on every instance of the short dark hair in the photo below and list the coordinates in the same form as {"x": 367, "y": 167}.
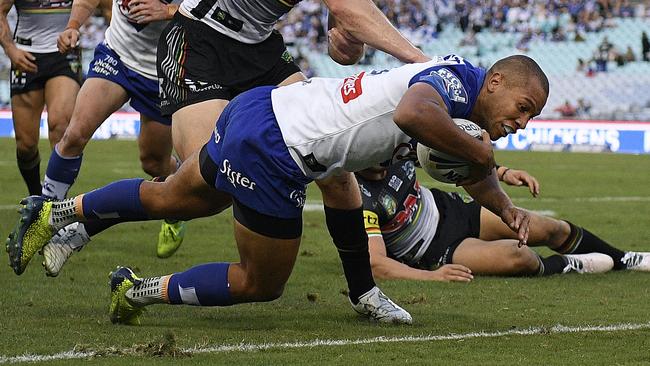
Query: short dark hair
{"x": 522, "y": 66}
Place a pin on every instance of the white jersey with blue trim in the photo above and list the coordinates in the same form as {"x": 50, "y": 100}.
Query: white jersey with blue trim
{"x": 39, "y": 24}
{"x": 136, "y": 44}
{"x": 334, "y": 125}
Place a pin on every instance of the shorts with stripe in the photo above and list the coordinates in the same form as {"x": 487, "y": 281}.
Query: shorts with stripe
{"x": 197, "y": 63}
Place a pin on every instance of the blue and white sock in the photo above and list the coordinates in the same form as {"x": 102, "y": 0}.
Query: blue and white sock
{"x": 202, "y": 285}
{"x": 60, "y": 174}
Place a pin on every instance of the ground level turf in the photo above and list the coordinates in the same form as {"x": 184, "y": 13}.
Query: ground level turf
{"x": 492, "y": 320}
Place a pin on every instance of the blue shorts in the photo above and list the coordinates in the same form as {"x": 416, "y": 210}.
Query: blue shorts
{"x": 142, "y": 91}
{"x": 252, "y": 160}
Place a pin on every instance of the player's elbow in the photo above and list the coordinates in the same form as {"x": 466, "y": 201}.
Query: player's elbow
{"x": 406, "y": 117}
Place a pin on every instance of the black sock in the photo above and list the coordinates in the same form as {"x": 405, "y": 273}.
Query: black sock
{"x": 552, "y": 265}
{"x": 584, "y": 241}
{"x": 349, "y": 235}
{"x": 30, "y": 169}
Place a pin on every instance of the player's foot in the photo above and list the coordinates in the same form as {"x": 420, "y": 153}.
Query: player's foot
{"x": 121, "y": 310}
{"x": 67, "y": 240}
{"x": 31, "y": 233}
{"x": 588, "y": 263}
{"x": 170, "y": 238}
{"x": 637, "y": 261}
{"x": 378, "y": 306}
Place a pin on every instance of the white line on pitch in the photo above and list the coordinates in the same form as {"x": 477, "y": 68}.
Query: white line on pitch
{"x": 254, "y": 347}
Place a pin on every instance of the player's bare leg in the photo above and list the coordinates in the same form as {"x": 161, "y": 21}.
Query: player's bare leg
{"x": 499, "y": 257}
{"x": 60, "y": 95}
{"x": 192, "y": 126}
{"x": 26, "y": 111}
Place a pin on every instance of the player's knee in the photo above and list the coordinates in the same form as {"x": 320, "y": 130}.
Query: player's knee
{"x": 57, "y": 126}
{"x": 263, "y": 292}
{"x": 153, "y": 165}
{"x": 26, "y": 149}
{"x": 523, "y": 260}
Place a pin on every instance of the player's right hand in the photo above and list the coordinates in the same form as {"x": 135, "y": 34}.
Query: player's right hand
{"x": 484, "y": 164}
{"x": 68, "y": 39}
{"x": 452, "y": 272}
{"x": 22, "y": 60}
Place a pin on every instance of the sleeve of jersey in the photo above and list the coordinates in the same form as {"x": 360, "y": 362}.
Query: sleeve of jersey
{"x": 438, "y": 83}
{"x": 371, "y": 222}
{"x": 452, "y": 84}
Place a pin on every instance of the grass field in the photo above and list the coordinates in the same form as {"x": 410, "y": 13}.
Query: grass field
{"x": 572, "y": 319}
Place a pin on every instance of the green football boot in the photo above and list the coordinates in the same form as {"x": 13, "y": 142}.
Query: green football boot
{"x": 31, "y": 233}
{"x": 170, "y": 238}
{"x": 121, "y": 310}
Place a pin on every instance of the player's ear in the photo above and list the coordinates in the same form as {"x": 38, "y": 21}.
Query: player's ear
{"x": 494, "y": 81}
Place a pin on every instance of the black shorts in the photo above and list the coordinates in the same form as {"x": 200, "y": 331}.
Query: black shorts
{"x": 49, "y": 65}
{"x": 458, "y": 220}
{"x": 196, "y": 63}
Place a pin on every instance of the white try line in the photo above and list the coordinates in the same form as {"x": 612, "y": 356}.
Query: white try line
{"x": 255, "y": 347}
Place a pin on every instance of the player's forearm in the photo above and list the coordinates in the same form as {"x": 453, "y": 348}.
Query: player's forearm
{"x": 365, "y": 22}
{"x": 6, "y": 40}
{"x": 171, "y": 10}
{"x": 489, "y": 194}
{"x": 390, "y": 269}
{"x": 81, "y": 11}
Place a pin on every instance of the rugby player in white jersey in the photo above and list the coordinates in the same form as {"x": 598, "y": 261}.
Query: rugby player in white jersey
{"x": 425, "y": 234}
{"x": 270, "y": 142}
{"x": 40, "y": 76}
{"x": 123, "y": 69}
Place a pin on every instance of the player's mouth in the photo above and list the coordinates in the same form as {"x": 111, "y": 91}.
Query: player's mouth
{"x": 507, "y": 130}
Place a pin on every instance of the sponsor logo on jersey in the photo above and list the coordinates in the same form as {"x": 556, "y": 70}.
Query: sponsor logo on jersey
{"x": 200, "y": 86}
{"x": 389, "y": 204}
{"x": 217, "y": 136}
{"x": 455, "y": 89}
{"x": 409, "y": 169}
{"x": 236, "y": 178}
{"x": 395, "y": 183}
{"x": 351, "y": 88}
{"x": 299, "y": 197}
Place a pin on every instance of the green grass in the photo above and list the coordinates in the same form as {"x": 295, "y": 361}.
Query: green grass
{"x": 46, "y": 316}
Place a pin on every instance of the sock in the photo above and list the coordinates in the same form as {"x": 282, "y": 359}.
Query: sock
{"x": 63, "y": 213}
{"x": 118, "y": 200}
{"x": 30, "y": 169}
{"x": 349, "y": 235}
{"x": 152, "y": 290}
{"x": 581, "y": 241}
{"x": 202, "y": 285}
{"x": 552, "y": 265}
{"x": 60, "y": 174}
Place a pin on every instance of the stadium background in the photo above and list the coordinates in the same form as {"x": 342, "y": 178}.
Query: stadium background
{"x": 608, "y": 95}
{"x": 593, "y": 52}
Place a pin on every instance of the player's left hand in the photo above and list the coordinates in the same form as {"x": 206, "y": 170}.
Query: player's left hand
{"x": 516, "y": 177}
{"x": 518, "y": 220}
{"x": 343, "y": 47}
{"x": 147, "y": 11}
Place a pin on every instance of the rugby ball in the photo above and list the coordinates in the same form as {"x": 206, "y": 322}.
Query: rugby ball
{"x": 444, "y": 167}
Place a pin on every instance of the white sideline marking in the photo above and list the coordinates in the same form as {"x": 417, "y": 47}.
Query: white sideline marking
{"x": 252, "y": 347}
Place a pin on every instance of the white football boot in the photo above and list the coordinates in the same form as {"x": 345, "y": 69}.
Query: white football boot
{"x": 378, "y": 306}
{"x": 57, "y": 251}
{"x": 637, "y": 261}
{"x": 588, "y": 263}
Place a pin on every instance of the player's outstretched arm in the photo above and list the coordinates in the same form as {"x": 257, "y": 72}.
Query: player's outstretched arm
{"x": 22, "y": 60}
{"x": 367, "y": 24}
{"x": 422, "y": 114}
{"x": 147, "y": 11}
{"x": 514, "y": 177}
{"x": 387, "y": 268}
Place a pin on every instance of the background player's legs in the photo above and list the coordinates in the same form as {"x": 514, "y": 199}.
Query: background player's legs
{"x": 192, "y": 125}
{"x": 60, "y": 95}
{"x": 559, "y": 235}
{"x": 97, "y": 100}
{"x": 26, "y": 111}
{"x": 155, "y": 144}
{"x": 499, "y": 257}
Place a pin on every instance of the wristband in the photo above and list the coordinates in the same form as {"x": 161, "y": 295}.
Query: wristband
{"x": 504, "y": 173}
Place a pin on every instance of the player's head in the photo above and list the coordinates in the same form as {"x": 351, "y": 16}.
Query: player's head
{"x": 515, "y": 90}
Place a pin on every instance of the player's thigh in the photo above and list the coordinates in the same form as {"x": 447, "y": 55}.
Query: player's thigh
{"x": 265, "y": 263}
{"x": 340, "y": 191}
{"x": 97, "y": 99}
{"x": 155, "y": 140}
{"x": 499, "y": 257}
{"x": 192, "y": 125}
{"x": 543, "y": 230}
{"x": 60, "y": 95}
{"x": 184, "y": 195}
{"x": 26, "y": 111}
